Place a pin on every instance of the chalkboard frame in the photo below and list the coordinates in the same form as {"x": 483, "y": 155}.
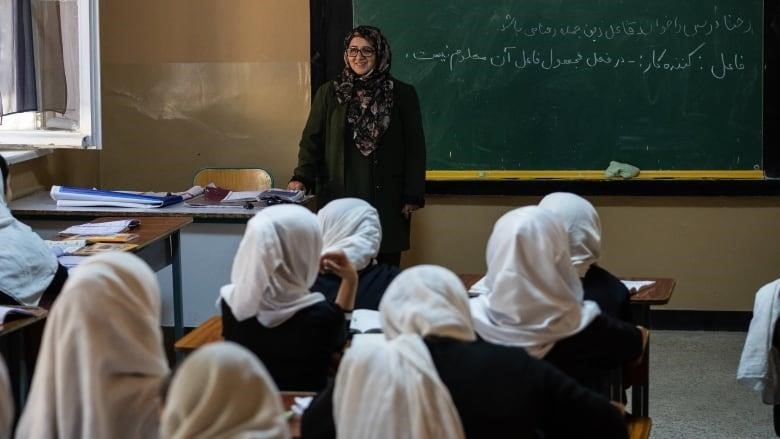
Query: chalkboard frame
{"x": 332, "y": 19}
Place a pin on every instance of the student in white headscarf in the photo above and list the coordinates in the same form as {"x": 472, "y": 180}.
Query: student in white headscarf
{"x": 534, "y": 300}
{"x": 352, "y": 225}
{"x": 387, "y": 389}
{"x": 759, "y": 364}
{"x": 499, "y": 391}
{"x": 223, "y": 391}
{"x": 268, "y": 307}
{"x": 28, "y": 269}
{"x": 102, "y": 361}
{"x": 583, "y": 227}
{"x": 7, "y": 410}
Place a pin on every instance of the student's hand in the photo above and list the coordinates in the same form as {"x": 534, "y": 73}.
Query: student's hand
{"x": 408, "y": 209}
{"x": 294, "y": 185}
{"x": 619, "y": 406}
{"x": 338, "y": 263}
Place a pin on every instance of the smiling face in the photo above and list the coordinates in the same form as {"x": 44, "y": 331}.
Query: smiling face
{"x": 360, "y": 55}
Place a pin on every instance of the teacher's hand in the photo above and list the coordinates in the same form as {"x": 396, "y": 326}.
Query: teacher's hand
{"x": 408, "y": 209}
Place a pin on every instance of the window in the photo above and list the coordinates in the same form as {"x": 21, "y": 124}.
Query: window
{"x": 59, "y": 104}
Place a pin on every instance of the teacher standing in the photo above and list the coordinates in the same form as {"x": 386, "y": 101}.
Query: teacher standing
{"x": 364, "y": 139}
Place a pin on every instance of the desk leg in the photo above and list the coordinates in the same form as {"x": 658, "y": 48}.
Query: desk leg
{"x": 641, "y": 314}
{"x": 640, "y": 394}
{"x": 178, "y": 309}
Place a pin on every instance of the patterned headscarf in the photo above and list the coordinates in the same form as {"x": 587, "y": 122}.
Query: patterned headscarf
{"x": 369, "y": 97}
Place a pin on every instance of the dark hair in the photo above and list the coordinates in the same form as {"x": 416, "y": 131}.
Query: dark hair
{"x": 4, "y": 171}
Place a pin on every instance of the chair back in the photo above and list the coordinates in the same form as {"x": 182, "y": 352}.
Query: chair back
{"x": 235, "y": 179}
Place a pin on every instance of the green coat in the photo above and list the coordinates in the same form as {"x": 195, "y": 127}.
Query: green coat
{"x": 394, "y": 174}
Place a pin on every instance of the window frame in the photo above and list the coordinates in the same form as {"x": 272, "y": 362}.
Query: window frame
{"x": 89, "y": 133}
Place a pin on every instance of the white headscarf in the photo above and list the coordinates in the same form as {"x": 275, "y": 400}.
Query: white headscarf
{"x": 276, "y": 263}
{"x": 6, "y": 403}
{"x": 101, "y": 361}
{"x": 582, "y": 224}
{"x": 27, "y": 266}
{"x": 534, "y": 295}
{"x": 760, "y": 361}
{"x": 427, "y": 300}
{"x": 351, "y": 225}
{"x": 390, "y": 389}
{"x": 223, "y": 391}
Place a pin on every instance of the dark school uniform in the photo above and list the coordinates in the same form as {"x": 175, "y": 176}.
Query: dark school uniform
{"x": 372, "y": 283}
{"x": 590, "y": 355}
{"x": 608, "y": 291}
{"x": 500, "y": 391}
{"x": 297, "y": 353}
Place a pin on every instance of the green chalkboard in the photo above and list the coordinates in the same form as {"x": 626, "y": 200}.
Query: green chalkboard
{"x": 572, "y": 85}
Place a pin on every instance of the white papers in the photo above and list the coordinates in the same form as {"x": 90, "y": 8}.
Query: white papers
{"x": 365, "y": 321}
{"x": 186, "y": 195}
{"x": 69, "y": 261}
{"x": 240, "y": 196}
{"x": 636, "y": 285}
{"x": 478, "y": 288}
{"x": 85, "y": 203}
{"x": 204, "y": 201}
{"x": 66, "y": 247}
{"x": 301, "y": 404}
{"x": 104, "y": 228}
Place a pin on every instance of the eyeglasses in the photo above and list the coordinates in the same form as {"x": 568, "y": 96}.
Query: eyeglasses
{"x": 367, "y": 52}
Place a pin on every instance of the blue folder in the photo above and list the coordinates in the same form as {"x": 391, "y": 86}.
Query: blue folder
{"x": 77, "y": 196}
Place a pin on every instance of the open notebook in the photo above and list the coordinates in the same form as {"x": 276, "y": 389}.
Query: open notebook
{"x": 365, "y": 321}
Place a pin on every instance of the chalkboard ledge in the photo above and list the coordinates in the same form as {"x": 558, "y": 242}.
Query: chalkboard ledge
{"x": 638, "y": 187}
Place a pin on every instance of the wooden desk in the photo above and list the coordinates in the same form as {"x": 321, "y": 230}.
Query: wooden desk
{"x": 639, "y": 427}
{"x": 19, "y": 323}
{"x": 13, "y": 339}
{"x": 657, "y": 294}
{"x": 207, "y": 332}
{"x": 39, "y": 205}
{"x": 159, "y": 244}
{"x": 208, "y": 245}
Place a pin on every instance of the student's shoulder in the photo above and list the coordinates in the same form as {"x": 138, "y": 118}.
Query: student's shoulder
{"x": 487, "y": 355}
{"x": 379, "y": 271}
{"x": 602, "y": 276}
{"x": 322, "y": 311}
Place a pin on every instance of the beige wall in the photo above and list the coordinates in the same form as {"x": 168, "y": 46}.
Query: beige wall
{"x": 720, "y": 250}
{"x": 189, "y": 84}
{"x": 194, "y": 83}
